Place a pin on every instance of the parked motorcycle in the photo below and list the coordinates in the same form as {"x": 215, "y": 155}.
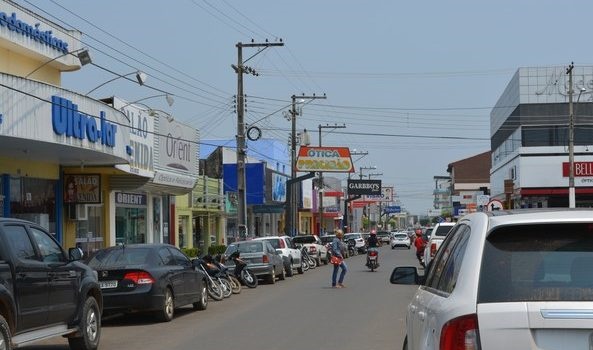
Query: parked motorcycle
{"x": 241, "y": 272}
{"x": 352, "y": 248}
{"x": 372, "y": 259}
{"x": 224, "y": 270}
{"x": 215, "y": 290}
{"x": 305, "y": 256}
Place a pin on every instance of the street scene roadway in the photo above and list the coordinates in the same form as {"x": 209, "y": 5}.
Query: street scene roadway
{"x": 301, "y": 312}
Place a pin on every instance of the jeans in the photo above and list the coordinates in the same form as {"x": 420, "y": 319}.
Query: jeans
{"x": 342, "y": 274}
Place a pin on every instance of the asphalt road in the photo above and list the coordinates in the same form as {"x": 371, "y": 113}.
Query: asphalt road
{"x": 302, "y": 312}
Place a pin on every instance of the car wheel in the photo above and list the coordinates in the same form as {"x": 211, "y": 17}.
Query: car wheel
{"x": 300, "y": 269}
{"x": 89, "y": 326}
{"x": 168, "y": 307}
{"x": 283, "y": 275}
{"x": 289, "y": 269}
{"x": 405, "y": 347}
{"x": 272, "y": 276}
{"x": 202, "y": 304}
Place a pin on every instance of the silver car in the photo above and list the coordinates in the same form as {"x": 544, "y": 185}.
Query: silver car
{"x": 506, "y": 280}
{"x": 261, "y": 258}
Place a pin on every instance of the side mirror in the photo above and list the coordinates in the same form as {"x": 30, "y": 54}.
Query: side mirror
{"x": 407, "y": 275}
{"x": 75, "y": 254}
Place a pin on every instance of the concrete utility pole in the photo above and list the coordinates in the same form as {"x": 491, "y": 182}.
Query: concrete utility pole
{"x": 571, "y": 190}
{"x": 321, "y": 186}
{"x": 241, "y": 69}
{"x": 291, "y": 208}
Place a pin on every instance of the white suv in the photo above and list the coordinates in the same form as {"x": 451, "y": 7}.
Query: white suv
{"x": 290, "y": 254}
{"x": 506, "y": 280}
{"x": 360, "y": 244}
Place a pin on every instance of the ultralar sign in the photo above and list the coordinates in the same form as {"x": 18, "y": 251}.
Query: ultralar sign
{"x": 66, "y": 119}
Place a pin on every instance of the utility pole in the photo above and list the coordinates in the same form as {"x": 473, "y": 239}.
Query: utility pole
{"x": 291, "y": 208}
{"x": 571, "y": 190}
{"x": 321, "y": 186}
{"x": 241, "y": 69}
{"x": 380, "y": 202}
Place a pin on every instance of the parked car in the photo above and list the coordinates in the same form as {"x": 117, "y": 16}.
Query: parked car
{"x": 148, "y": 277}
{"x": 360, "y": 243}
{"x": 437, "y": 235}
{"x": 45, "y": 292}
{"x": 400, "y": 240}
{"x": 315, "y": 247}
{"x": 291, "y": 255}
{"x": 506, "y": 280}
{"x": 261, "y": 258}
{"x": 383, "y": 236}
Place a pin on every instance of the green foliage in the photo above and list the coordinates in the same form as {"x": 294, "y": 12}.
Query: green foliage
{"x": 424, "y": 222}
{"x": 190, "y": 252}
{"x": 216, "y": 249}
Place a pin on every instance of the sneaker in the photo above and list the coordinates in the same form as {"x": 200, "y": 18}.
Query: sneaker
{"x": 340, "y": 285}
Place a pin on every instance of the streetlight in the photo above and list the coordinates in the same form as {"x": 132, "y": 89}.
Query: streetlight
{"x": 168, "y": 97}
{"x": 140, "y": 77}
{"x": 83, "y": 57}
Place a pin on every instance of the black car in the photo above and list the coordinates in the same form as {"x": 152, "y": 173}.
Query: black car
{"x": 45, "y": 292}
{"x": 148, "y": 277}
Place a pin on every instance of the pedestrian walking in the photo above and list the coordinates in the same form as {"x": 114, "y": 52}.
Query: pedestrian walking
{"x": 338, "y": 260}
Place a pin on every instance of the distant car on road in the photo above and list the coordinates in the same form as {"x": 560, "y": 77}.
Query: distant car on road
{"x": 400, "y": 240}
{"x": 360, "y": 244}
{"x": 383, "y": 236}
{"x": 510, "y": 280}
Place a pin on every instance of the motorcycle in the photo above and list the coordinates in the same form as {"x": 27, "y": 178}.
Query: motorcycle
{"x": 308, "y": 258}
{"x": 372, "y": 259}
{"x": 224, "y": 270}
{"x": 352, "y": 248}
{"x": 214, "y": 288}
{"x": 241, "y": 272}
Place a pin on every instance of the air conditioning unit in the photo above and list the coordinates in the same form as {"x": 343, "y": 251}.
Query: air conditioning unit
{"x": 513, "y": 172}
{"x": 81, "y": 212}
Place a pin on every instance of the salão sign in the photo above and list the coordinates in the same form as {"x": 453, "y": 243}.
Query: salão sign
{"x": 325, "y": 159}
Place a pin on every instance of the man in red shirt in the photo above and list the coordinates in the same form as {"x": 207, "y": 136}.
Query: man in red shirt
{"x": 420, "y": 244}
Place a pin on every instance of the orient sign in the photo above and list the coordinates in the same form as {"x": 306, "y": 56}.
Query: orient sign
{"x": 581, "y": 169}
{"x": 325, "y": 159}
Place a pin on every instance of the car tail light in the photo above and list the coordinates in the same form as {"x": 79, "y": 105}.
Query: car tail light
{"x": 282, "y": 245}
{"x": 460, "y": 333}
{"x": 139, "y": 277}
{"x": 312, "y": 249}
{"x": 433, "y": 249}
{"x": 265, "y": 259}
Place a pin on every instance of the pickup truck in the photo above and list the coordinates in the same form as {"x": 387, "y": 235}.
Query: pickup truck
{"x": 314, "y": 246}
{"x": 437, "y": 236}
{"x": 43, "y": 291}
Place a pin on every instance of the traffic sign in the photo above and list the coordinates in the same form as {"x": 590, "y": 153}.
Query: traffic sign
{"x": 482, "y": 199}
{"x": 494, "y": 204}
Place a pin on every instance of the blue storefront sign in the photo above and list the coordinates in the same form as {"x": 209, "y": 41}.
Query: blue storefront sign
{"x": 46, "y": 37}
{"x": 394, "y": 209}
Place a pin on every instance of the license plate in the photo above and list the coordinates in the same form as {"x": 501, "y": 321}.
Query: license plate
{"x": 108, "y": 284}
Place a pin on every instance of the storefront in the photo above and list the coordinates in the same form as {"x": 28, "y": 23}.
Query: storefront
{"x": 529, "y": 138}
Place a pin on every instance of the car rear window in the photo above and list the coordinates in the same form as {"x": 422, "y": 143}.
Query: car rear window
{"x": 304, "y": 239}
{"x": 352, "y": 236}
{"x": 543, "y": 262}
{"x": 120, "y": 257}
{"x": 442, "y": 230}
{"x": 274, "y": 242}
{"x": 400, "y": 236}
{"x": 248, "y": 247}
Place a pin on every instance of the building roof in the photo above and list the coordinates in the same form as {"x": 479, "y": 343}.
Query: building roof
{"x": 475, "y": 169}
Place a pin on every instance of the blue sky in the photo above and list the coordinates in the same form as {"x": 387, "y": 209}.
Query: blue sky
{"x": 413, "y": 81}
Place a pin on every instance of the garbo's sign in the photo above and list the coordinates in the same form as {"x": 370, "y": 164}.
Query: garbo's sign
{"x": 325, "y": 159}
{"x": 364, "y": 187}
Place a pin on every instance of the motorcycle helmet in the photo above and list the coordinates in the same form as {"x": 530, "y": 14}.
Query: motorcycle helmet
{"x": 373, "y": 232}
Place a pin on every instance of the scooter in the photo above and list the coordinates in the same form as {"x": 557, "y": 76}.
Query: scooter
{"x": 215, "y": 289}
{"x": 245, "y": 275}
{"x": 372, "y": 259}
